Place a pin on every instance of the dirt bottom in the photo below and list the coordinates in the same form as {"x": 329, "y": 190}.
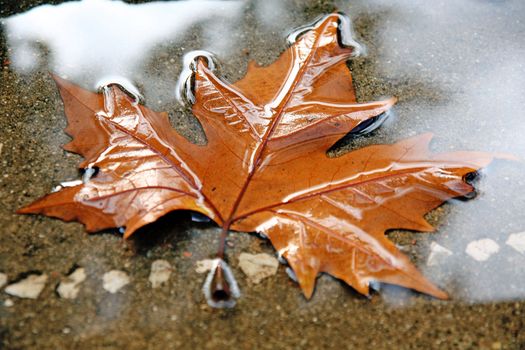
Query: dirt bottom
{"x": 487, "y": 309}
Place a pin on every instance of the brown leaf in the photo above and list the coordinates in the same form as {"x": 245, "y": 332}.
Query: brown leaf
{"x": 264, "y": 167}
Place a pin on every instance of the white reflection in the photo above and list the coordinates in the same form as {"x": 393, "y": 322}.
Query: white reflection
{"x": 270, "y": 12}
{"x": 109, "y": 37}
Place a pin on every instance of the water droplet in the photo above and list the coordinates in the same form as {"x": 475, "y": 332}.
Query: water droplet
{"x": 185, "y": 86}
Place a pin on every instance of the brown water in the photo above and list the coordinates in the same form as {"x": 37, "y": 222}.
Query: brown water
{"x": 457, "y": 68}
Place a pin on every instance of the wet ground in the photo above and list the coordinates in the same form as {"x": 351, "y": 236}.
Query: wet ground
{"x": 457, "y": 68}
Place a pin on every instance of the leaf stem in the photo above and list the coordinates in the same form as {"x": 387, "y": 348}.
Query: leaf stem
{"x": 222, "y": 240}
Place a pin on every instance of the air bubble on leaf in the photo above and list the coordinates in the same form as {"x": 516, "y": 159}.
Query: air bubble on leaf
{"x": 123, "y": 83}
{"x": 346, "y": 35}
{"x": 220, "y": 287}
{"x": 186, "y": 83}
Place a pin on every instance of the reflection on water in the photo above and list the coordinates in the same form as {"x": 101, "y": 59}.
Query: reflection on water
{"x": 107, "y": 37}
{"x": 466, "y": 57}
{"x": 456, "y": 66}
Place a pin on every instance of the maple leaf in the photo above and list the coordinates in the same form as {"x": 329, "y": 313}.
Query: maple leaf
{"x": 264, "y": 168}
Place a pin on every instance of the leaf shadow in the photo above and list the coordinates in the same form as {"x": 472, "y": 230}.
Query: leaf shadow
{"x": 169, "y": 231}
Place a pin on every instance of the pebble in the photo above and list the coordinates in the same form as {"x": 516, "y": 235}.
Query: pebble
{"x": 204, "y": 265}
{"x": 483, "y": 249}
{"x": 438, "y": 254}
{"x": 69, "y": 288}
{"x": 258, "y": 266}
{"x": 516, "y": 241}
{"x": 114, "y": 280}
{"x": 8, "y": 303}
{"x": 29, "y": 288}
{"x": 3, "y": 279}
{"x": 160, "y": 273}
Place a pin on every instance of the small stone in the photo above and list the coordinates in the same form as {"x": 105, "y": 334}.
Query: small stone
{"x": 69, "y": 288}
{"x": 496, "y": 345}
{"x": 515, "y": 240}
{"x": 437, "y": 254}
{"x": 160, "y": 273}
{"x": 258, "y": 266}
{"x": 29, "y": 288}
{"x": 483, "y": 249}
{"x": 3, "y": 279}
{"x": 66, "y": 330}
{"x": 8, "y": 303}
{"x": 114, "y": 280}
{"x": 205, "y": 265}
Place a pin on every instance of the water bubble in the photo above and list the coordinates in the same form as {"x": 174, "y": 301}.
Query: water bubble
{"x": 345, "y": 31}
{"x": 220, "y": 287}
{"x": 186, "y": 83}
{"x": 123, "y": 83}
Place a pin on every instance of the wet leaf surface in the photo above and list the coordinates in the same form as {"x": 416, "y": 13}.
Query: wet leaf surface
{"x": 264, "y": 167}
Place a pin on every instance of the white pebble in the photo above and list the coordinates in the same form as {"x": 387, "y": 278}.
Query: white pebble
{"x": 69, "y": 288}
{"x": 205, "y": 265}
{"x": 29, "y": 288}
{"x": 8, "y": 303}
{"x": 160, "y": 273}
{"x": 3, "y": 279}
{"x": 482, "y": 249}
{"x": 258, "y": 266}
{"x": 114, "y": 280}
{"x": 517, "y": 241}
{"x": 437, "y": 254}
